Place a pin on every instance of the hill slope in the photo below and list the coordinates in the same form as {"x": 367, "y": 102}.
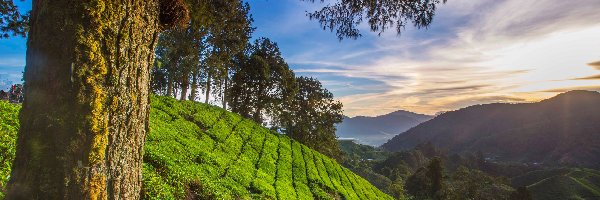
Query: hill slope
{"x": 197, "y": 151}
{"x": 561, "y": 184}
{"x": 562, "y": 130}
{"x": 378, "y": 130}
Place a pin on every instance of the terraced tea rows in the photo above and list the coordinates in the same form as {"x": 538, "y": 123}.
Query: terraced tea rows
{"x": 197, "y": 150}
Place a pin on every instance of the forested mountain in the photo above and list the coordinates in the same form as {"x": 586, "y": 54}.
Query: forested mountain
{"x": 198, "y": 151}
{"x": 378, "y": 130}
{"x": 561, "y": 130}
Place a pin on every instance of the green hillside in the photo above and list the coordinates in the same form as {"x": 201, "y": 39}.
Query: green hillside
{"x": 199, "y": 151}
{"x": 567, "y": 183}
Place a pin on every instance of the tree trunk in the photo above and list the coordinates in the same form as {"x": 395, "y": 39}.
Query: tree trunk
{"x": 85, "y": 116}
{"x": 225, "y": 94}
{"x": 185, "y": 84}
{"x": 194, "y": 86}
{"x": 207, "y": 88}
{"x": 170, "y": 85}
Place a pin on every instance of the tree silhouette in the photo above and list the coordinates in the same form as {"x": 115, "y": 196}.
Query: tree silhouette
{"x": 346, "y": 15}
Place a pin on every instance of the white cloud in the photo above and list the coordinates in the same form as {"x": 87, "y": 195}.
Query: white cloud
{"x": 476, "y": 52}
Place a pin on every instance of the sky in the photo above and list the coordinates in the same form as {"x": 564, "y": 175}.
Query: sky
{"x": 474, "y": 52}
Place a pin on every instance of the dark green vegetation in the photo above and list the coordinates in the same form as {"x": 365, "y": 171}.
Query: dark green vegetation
{"x": 476, "y": 163}
{"x": 199, "y": 151}
{"x": 375, "y": 131}
{"x": 425, "y": 173}
{"x": 360, "y": 152}
{"x": 467, "y": 176}
{"x": 256, "y": 84}
{"x": 360, "y": 159}
{"x": 9, "y": 124}
{"x": 566, "y": 183}
{"x": 562, "y": 130}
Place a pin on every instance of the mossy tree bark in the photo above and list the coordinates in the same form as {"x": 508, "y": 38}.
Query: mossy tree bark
{"x": 85, "y": 116}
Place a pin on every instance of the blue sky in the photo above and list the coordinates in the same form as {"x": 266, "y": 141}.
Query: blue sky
{"x": 474, "y": 52}
{"x": 12, "y": 55}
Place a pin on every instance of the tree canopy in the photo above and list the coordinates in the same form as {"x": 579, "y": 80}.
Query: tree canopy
{"x": 12, "y": 22}
{"x": 345, "y": 16}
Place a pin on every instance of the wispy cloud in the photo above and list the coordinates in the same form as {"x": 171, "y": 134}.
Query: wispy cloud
{"x": 473, "y": 53}
{"x": 566, "y": 89}
{"x": 595, "y": 77}
{"x": 595, "y": 65}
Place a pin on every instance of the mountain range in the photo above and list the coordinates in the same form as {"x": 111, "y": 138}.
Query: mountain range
{"x": 378, "y": 130}
{"x": 563, "y": 130}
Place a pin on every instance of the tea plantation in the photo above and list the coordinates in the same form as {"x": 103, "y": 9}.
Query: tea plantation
{"x": 198, "y": 151}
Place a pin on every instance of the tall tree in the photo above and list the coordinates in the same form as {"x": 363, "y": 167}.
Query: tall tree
{"x": 311, "y": 117}
{"x": 261, "y": 83}
{"x": 227, "y": 40}
{"x": 85, "y": 115}
{"x": 216, "y": 32}
{"x": 427, "y": 182}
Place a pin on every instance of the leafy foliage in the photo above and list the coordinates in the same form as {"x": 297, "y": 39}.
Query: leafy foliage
{"x": 201, "y": 52}
{"x": 311, "y": 117}
{"x": 467, "y": 183}
{"x": 262, "y": 83}
{"x": 563, "y": 183}
{"x": 345, "y": 16}
{"x": 199, "y": 151}
{"x": 232, "y": 157}
{"x": 264, "y": 87}
{"x": 9, "y": 126}
{"x": 12, "y": 22}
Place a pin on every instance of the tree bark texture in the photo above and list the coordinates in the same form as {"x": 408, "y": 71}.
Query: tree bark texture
{"x": 185, "y": 84}
{"x": 194, "y": 89}
{"x": 225, "y": 91}
{"x": 208, "y": 85}
{"x": 170, "y": 85}
{"x": 85, "y": 116}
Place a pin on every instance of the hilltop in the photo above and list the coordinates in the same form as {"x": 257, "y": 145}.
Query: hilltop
{"x": 562, "y": 130}
{"x": 377, "y": 130}
{"x": 198, "y": 151}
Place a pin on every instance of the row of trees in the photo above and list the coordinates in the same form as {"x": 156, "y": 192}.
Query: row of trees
{"x": 251, "y": 79}
{"x": 199, "y": 55}
{"x": 265, "y": 89}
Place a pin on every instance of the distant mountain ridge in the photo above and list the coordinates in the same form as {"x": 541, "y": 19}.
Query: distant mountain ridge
{"x": 378, "y": 130}
{"x": 564, "y": 129}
